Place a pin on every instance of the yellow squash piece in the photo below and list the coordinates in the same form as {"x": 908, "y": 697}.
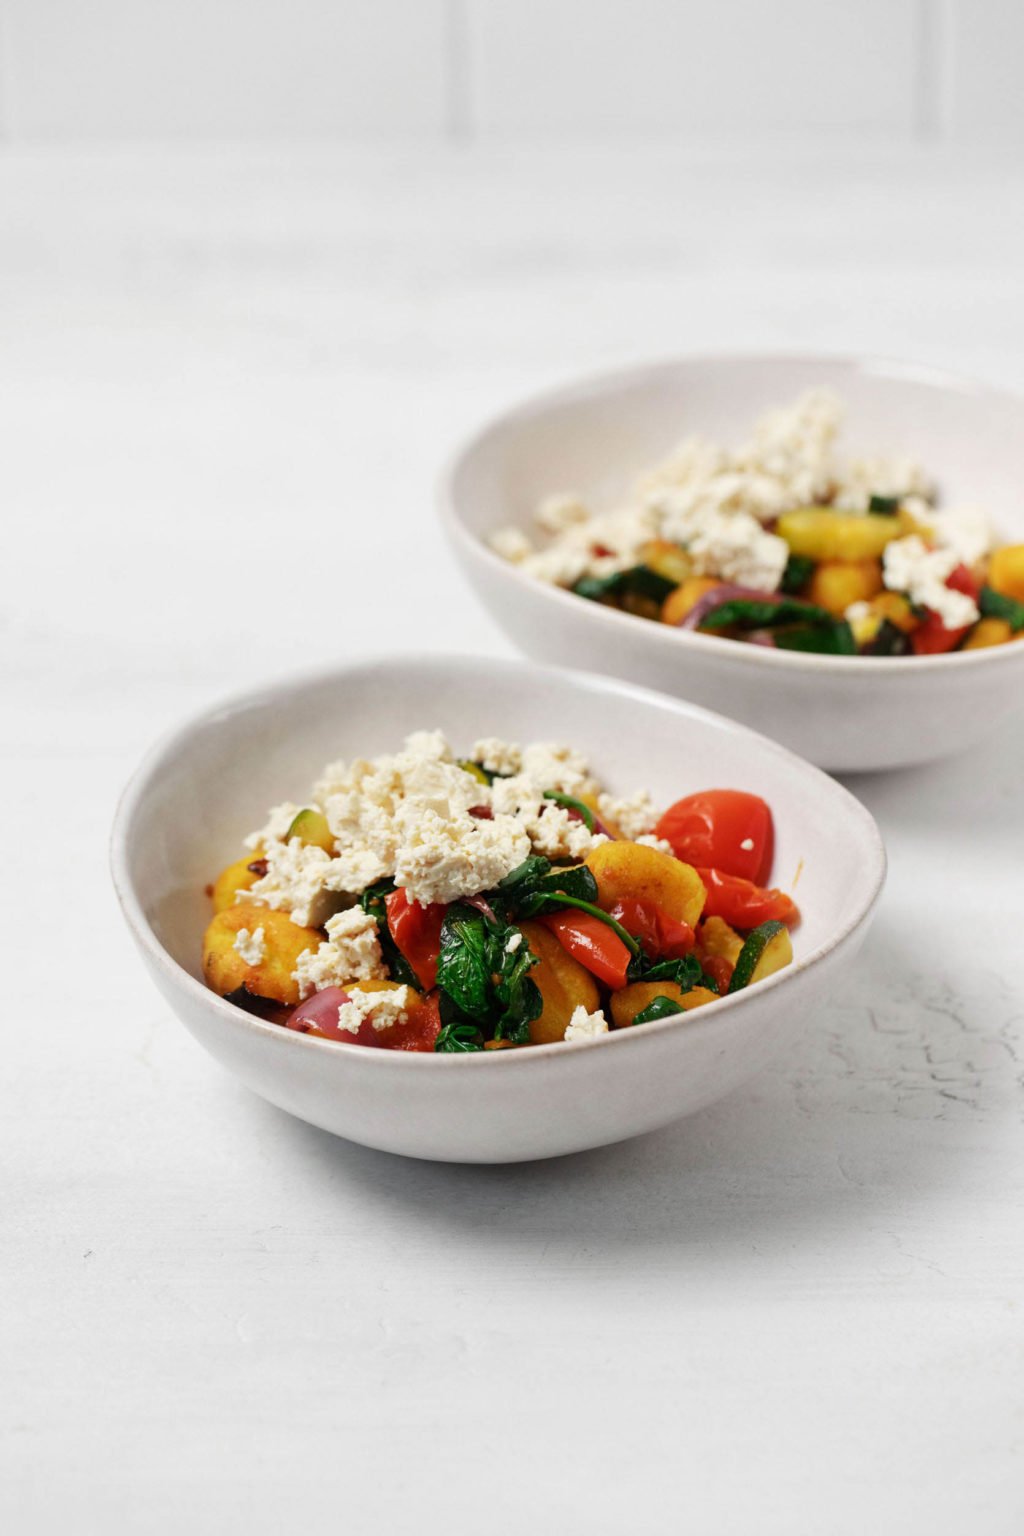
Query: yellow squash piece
{"x": 838, "y": 583}
{"x": 1006, "y": 571}
{"x": 564, "y": 984}
{"x": 284, "y": 941}
{"x": 623, "y": 870}
{"x": 778, "y": 952}
{"x": 987, "y": 632}
{"x": 625, "y": 1005}
{"x": 236, "y": 877}
{"x": 666, "y": 559}
{"x": 821, "y": 534}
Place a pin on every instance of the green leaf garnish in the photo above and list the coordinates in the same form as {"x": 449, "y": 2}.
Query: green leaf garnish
{"x": 798, "y": 572}
{"x": 659, "y": 1008}
{"x": 459, "y": 1037}
{"x": 884, "y": 506}
{"x": 996, "y": 605}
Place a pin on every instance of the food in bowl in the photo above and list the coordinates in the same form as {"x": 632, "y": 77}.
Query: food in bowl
{"x": 787, "y": 544}
{"x": 422, "y": 902}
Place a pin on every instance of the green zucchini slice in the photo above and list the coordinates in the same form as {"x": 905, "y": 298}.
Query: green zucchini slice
{"x": 765, "y": 950}
{"x": 311, "y": 828}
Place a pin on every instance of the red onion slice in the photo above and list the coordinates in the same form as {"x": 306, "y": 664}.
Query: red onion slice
{"x": 481, "y": 906}
{"x": 320, "y": 1013}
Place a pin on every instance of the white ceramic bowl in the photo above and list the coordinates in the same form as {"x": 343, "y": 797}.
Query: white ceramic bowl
{"x": 184, "y": 813}
{"x": 842, "y": 712}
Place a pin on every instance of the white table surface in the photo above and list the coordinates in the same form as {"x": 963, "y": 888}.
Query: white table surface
{"x": 226, "y": 381}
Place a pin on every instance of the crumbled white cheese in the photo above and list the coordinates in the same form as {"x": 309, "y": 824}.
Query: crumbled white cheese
{"x": 556, "y": 513}
{"x": 511, "y": 544}
{"x": 557, "y": 834}
{"x": 858, "y": 611}
{"x": 513, "y": 941}
{"x": 966, "y": 530}
{"x": 633, "y": 815}
{"x": 352, "y": 952}
{"x": 297, "y": 882}
{"x": 648, "y": 840}
{"x": 251, "y": 946}
{"x": 559, "y": 768}
{"x": 382, "y": 1008}
{"x": 732, "y": 545}
{"x": 747, "y": 845}
{"x": 909, "y": 566}
{"x": 585, "y": 1026}
{"x": 497, "y": 756}
{"x": 440, "y": 859}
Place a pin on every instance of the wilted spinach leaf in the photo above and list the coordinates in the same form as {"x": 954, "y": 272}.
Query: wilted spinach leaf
{"x": 658, "y": 1008}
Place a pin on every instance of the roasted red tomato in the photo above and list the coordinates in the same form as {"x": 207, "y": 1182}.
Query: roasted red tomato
{"x": 742, "y": 903}
{"x": 662, "y": 937}
{"x": 592, "y": 943}
{"x": 931, "y": 637}
{"x": 724, "y": 829}
{"x": 417, "y": 932}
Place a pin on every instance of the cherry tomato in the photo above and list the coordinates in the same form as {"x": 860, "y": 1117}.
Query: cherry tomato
{"x": 417, "y": 932}
{"x": 932, "y": 638}
{"x": 742, "y": 903}
{"x": 592, "y": 943}
{"x": 662, "y": 937}
{"x": 961, "y": 580}
{"x": 725, "y": 829}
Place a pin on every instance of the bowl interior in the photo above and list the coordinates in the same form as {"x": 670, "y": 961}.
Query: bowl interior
{"x": 596, "y": 437}
{"x": 198, "y": 794}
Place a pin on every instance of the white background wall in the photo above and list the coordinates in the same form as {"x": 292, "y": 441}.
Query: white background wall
{"x": 905, "y": 70}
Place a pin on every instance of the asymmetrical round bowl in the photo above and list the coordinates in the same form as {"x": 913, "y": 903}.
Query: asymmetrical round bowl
{"x": 188, "y": 806}
{"x": 842, "y": 712}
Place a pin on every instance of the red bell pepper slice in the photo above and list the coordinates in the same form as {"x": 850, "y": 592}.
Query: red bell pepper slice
{"x": 417, "y": 932}
{"x": 590, "y": 941}
{"x": 661, "y": 936}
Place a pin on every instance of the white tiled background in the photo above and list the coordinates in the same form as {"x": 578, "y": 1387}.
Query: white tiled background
{"x": 908, "y": 70}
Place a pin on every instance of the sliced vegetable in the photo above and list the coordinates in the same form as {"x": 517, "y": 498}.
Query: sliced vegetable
{"x": 416, "y": 931}
{"x": 822, "y": 534}
{"x": 728, "y": 829}
{"x": 798, "y": 572}
{"x": 594, "y": 944}
{"x": 744, "y": 904}
{"x": 765, "y": 951}
{"x": 311, "y": 828}
{"x": 998, "y": 605}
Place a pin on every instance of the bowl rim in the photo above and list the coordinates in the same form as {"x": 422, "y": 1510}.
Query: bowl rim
{"x": 669, "y": 635}
{"x": 177, "y": 737}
